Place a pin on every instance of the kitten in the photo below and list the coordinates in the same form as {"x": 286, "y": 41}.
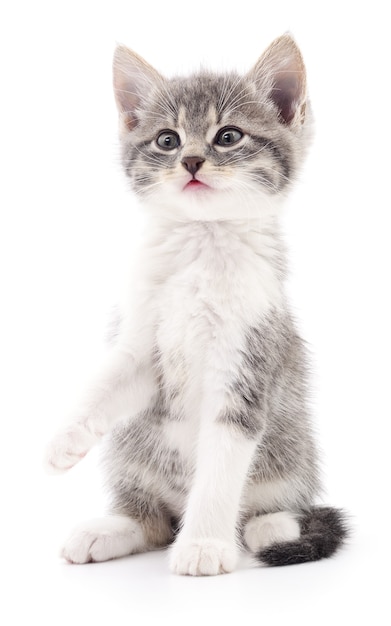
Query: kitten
{"x": 203, "y": 396}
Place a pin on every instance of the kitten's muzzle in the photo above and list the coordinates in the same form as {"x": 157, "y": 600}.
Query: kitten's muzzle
{"x": 192, "y": 164}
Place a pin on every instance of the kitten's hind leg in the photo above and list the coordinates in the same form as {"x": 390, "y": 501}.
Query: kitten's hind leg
{"x": 103, "y": 539}
{"x": 262, "y": 531}
{"x": 111, "y": 537}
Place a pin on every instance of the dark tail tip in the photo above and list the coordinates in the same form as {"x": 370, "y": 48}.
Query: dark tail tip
{"x": 323, "y": 531}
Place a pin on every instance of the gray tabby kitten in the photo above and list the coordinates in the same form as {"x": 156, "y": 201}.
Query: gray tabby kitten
{"x": 203, "y": 395}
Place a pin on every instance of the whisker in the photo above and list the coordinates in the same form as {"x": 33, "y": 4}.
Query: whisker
{"x": 240, "y": 157}
{"x": 148, "y": 188}
{"x": 225, "y": 96}
{"x": 153, "y": 158}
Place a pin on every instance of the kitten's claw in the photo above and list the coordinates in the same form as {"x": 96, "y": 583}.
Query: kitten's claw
{"x": 67, "y": 448}
{"x": 204, "y": 557}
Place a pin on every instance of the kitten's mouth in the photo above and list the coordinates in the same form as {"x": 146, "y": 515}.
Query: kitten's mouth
{"x": 196, "y": 184}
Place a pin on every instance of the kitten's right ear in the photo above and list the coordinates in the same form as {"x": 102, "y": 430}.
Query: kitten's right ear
{"x": 133, "y": 78}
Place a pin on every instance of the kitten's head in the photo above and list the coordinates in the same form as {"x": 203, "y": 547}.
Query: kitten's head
{"x": 213, "y": 147}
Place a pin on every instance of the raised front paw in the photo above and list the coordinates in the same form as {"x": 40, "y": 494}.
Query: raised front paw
{"x": 68, "y": 447}
{"x": 203, "y": 557}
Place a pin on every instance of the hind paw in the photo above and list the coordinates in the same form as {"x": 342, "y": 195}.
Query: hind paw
{"x": 103, "y": 539}
{"x": 263, "y": 531}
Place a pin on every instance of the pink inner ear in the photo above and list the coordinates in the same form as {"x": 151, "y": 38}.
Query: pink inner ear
{"x": 127, "y": 104}
{"x": 127, "y": 98}
{"x": 286, "y": 94}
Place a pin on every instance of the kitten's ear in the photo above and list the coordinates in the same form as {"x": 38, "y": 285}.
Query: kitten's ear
{"x": 133, "y": 78}
{"x": 281, "y": 71}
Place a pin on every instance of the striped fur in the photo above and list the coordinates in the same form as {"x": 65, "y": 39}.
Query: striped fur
{"x": 203, "y": 398}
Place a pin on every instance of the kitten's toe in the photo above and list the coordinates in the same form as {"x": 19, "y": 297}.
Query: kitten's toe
{"x": 263, "y": 531}
{"x": 103, "y": 539}
{"x": 203, "y": 557}
{"x": 67, "y": 448}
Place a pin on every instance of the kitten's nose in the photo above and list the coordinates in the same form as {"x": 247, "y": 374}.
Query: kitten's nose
{"x": 192, "y": 164}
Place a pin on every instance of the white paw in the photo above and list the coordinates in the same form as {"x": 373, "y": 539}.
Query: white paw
{"x": 203, "y": 557}
{"x": 265, "y": 530}
{"x": 103, "y": 539}
{"x": 68, "y": 447}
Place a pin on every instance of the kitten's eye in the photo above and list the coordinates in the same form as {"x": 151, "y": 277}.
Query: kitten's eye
{"x": 228, "y": 136}
{"x": 168, "y": 140}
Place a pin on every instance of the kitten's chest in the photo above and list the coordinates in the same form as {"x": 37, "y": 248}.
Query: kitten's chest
{"x": 218, "y": 288}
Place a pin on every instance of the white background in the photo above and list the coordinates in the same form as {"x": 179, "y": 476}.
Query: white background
{"x": 68, "y": 223}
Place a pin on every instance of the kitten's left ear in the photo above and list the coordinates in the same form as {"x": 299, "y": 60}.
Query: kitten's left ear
{"x": 281, "y": 73}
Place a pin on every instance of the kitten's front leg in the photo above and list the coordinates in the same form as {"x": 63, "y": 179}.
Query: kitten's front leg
{"x": 122, "y": 388}
{"x": 207, "y": 543}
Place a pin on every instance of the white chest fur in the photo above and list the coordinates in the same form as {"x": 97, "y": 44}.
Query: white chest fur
{"x": 223, "y": 278}
{"x": 220, "y": 272}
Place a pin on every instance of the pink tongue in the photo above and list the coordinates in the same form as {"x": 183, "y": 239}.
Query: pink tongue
{"x": 194, "y": 183}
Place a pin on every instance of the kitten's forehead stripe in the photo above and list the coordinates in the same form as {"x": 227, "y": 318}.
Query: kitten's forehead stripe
{"x": 200, "y": 99}
{"x": 181, "y": 117}
{"x": 197, "y": 126}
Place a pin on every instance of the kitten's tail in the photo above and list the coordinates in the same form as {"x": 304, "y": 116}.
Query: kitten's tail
{"x": 323, "y": 530}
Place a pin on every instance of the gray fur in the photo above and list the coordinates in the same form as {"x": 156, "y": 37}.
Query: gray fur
{"x": 267, "y": 401}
